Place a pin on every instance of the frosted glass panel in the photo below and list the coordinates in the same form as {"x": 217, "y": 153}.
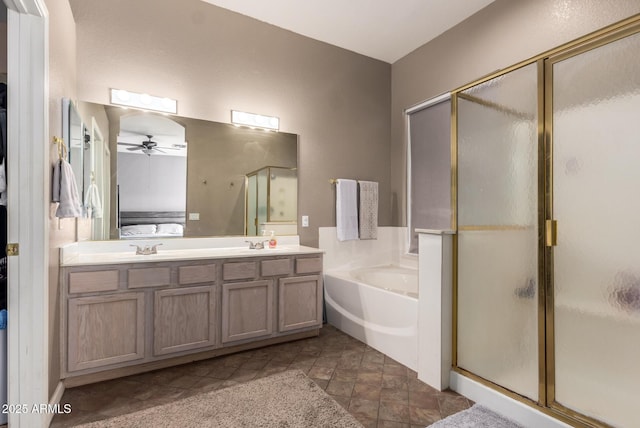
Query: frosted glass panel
{"x": 596, "y": 152}
{"x": 430, "y": 160}
{"x": 497, "y": 231}
{"x": 252, "y": 207}
{"x": 283, "y": 194}
{"x": 263, "y": 192}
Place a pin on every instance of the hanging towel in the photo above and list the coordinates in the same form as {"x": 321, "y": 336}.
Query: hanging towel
{"x": 65, "y": 191}
{"x": 368, "y": 209}
{"x": 347, "y": 209}
{"x": 92, "y": 203}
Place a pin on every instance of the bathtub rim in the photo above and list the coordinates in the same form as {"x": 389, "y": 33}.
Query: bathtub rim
{"x": 345, "y": 274}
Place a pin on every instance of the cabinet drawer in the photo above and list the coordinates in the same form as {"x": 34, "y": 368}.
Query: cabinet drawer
{"x": 239, "y": 270}
{"x": 309, "y": 264}
{"x": 149, "y": 277}
{"x": 87, "y": 282}
{"x": 275, "y": 267}
{"x": 196, "y": 274}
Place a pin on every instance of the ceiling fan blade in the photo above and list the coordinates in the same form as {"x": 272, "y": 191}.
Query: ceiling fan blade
{"x": 158, "y": 150}
{"x": 129, "y": 144}
{"x": 136, "y": 148}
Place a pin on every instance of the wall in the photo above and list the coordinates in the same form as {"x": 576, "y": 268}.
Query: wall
{"x": 62, "y": 78}
{"x": 212, "y": 60}
{"x": 500, "y": 35}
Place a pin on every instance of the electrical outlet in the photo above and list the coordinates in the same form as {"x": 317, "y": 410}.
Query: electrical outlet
{"x": 305, "y": 221}
{"x": 194, "y": 216}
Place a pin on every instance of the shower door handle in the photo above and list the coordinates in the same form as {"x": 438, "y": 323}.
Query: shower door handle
{"x": 551, "y": 233}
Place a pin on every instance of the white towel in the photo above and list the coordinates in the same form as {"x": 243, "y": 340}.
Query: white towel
{"x": 65, "y": 191}
{"x": 368, "y": 209}
{"x": 347, "y": 209}
{"x": 92, "y": 202}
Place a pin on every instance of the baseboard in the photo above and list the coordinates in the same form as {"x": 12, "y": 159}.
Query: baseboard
{"x": 54, "y": 400}
{"x": 523, "y": 414}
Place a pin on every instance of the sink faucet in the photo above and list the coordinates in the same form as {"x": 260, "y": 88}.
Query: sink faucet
{"x": 256, "y": 245}
{"x": 146, "y": 250}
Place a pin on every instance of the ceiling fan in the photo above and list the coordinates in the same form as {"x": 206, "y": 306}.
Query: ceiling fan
{"x": 148, "y": 146}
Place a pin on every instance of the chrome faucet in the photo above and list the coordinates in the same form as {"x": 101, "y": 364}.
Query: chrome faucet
{"x": 146, "y": 250}
{"x": 256, "y": 245}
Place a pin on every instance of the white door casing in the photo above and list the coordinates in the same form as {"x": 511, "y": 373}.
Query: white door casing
{"x": 28, "y": 211}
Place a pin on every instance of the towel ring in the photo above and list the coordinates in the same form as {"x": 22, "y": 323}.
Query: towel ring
{"x": 62, "y": 147}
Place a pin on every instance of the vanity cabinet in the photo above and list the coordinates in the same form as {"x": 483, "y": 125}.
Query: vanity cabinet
{"x": 184, "y": 319}
{"x": 105, "y": 330}
{"x": 247, "y": 310}
{"x": 133, "y": 317}
{"x": 299, "y": 302}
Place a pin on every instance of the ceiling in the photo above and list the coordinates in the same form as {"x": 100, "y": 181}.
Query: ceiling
{"x": 383, "y": 29}
{"x": 138, "y": 127}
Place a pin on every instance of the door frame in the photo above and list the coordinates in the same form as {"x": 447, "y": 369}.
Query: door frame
{"x": 546, "y": 353}
{"x": 615, "y": 34}
{"x": 28, "y": 209}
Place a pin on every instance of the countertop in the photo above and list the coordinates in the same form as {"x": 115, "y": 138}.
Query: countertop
{"x": 108, "y": 258}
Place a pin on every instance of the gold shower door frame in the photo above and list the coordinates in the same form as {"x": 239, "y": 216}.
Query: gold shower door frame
{"x": 546, "y": 402}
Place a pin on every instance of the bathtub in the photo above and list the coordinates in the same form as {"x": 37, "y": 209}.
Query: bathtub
{"x": 378, "y": 306}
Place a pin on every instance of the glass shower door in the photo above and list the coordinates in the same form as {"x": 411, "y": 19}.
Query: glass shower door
{"x": 497, "y": 239}
{"x": 596, "y": 263}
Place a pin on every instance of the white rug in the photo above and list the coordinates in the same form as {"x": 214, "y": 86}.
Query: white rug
{"x": 476, "y": 417}
{"x": 284, "y": 400}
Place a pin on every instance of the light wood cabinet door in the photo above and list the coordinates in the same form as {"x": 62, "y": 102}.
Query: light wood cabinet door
{"x": 184, "y": 319}
{"x": 299, "y": 302}
{"x": 105, "y": 330}
{"x": 247, "y": 310}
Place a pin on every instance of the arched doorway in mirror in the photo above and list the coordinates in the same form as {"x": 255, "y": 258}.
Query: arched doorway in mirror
{"x": 151, "y": 177}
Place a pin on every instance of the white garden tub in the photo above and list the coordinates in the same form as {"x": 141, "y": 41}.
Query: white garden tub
{"x": 377, "y": 305}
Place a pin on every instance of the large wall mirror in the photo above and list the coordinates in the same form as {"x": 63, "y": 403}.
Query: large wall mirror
{"x": 172, "y": 176}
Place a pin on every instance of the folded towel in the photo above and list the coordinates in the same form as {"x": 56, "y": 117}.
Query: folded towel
{"x": 92, "y": 202}
{"x": 368, "y": 210}
{"x": 65, "y": 191}
{"x": 3, "y": 319}
{"x": 347, "y": 209}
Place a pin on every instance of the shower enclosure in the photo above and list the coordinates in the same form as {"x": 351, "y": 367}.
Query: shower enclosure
{"x": 547, "y": 266}
{"x": 271, "y": 201}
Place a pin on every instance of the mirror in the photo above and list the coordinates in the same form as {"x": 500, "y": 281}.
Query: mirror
{"x": 89, "y": 156}
{"x": 192, "y": 183}
{"x": 73, "y": 132}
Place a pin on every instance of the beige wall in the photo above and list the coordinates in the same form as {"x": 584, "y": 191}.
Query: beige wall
{"x": 62, "y": 83}
{"x": 212, "y": 60}
{"x": 504, "y": 33}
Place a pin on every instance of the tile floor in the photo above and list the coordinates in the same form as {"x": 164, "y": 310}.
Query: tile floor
{"x": 377, "y": 390}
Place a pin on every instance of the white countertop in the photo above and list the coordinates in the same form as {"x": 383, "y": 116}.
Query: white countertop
{"x": 116, "y": 252}
{"x": 187, "y": 254}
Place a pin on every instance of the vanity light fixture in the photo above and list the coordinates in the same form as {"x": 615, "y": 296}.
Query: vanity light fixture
{"x": 143, "y": 101}
{"x": 255, "y": 120}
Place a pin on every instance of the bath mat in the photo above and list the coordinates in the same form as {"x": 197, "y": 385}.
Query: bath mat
{"x": 288, "y": 399}
{"x": 476, "y": 417}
